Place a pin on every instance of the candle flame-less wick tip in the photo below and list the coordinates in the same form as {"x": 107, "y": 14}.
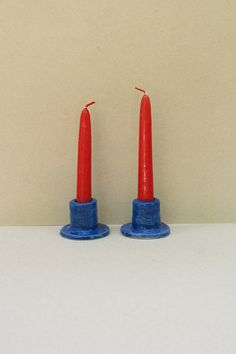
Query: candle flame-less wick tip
{"x": 89, "y": 104}
{"x": 139, "y": 89}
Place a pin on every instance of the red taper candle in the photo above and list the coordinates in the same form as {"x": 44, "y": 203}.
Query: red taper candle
{"x": 145, "y": 171}
{"x": 84, "y": 157}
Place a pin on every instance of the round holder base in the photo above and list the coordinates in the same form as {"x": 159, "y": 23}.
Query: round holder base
{"x": 72, "y": 233}
{"x": 83, "y": 222}
{"x": 129, "y": 231}
{"x": 146, "y": 222}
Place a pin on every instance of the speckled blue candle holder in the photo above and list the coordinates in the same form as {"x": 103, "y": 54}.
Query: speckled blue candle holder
{"x": 146, "y": 221}
{"x": 84, "y": 222}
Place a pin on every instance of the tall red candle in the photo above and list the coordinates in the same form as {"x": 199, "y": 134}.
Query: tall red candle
{"x": 84, "y": 157}
{"x": 145, "y": 170}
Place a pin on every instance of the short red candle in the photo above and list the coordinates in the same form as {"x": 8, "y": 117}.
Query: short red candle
{"x": 84, "y": 157}
{"x": 145, "y": 170}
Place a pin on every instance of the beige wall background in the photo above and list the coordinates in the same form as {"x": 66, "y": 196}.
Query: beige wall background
{"x": 58, "y": 55}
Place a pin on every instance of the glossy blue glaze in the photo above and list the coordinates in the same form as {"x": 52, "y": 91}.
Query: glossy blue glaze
{"x": 83, "y": 222}
{"x": 146, "y": 221}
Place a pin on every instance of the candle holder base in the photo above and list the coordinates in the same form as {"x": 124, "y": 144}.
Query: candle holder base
{"x": 129, "y": 231}
{"x": 146, "y": 223}
{"x": 84, "y": 225}
{"x": 72, "y": 233}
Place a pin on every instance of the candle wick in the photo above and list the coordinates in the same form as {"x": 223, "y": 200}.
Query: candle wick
{"x": 139, "y": 89}
{"x": 89, "y": 104}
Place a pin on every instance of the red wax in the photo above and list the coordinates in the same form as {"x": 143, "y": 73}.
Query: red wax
{"x": 84, "y": 158}
{"x": 145, "y": 171}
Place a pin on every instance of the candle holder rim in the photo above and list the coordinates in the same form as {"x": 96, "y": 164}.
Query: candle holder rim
{"x": 92, "y": 201}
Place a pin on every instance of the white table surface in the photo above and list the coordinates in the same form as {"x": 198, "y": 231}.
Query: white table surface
{"x": 118, "y": 295}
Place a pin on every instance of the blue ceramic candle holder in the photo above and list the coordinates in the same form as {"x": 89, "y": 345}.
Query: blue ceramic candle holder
{"x": 146, "y": 221}
{"x": 84, "y": 222}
